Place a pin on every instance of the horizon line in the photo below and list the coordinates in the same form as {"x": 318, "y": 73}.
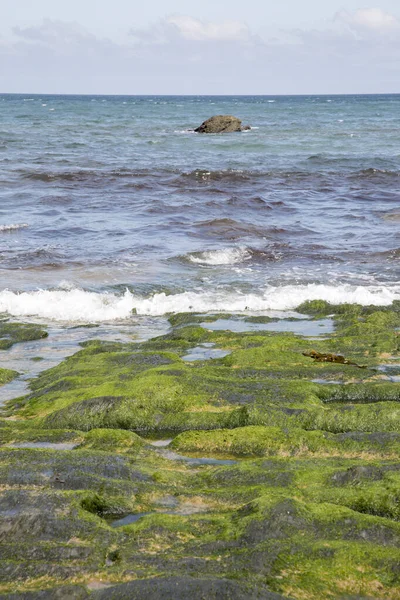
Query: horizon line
{"x": 199, "y": 95}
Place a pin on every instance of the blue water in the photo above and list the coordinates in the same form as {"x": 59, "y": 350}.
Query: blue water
{"x": 109, "y": 204}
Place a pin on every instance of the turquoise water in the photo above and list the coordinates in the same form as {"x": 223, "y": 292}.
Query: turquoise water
{"x": 109, "y": 204}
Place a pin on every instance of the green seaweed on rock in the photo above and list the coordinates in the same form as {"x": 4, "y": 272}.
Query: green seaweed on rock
{"x": 7, "y": 375}
{"x": 308, "y": 508}
{"x": 14, "y": 333}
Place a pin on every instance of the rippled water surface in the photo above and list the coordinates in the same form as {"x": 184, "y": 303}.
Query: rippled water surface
{"x": 109, "y": 204}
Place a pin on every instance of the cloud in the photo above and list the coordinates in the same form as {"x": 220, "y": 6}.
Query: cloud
{"x": 180, "y": 54}
{"x": 186, "y": 28}
{"x": 367, "y": 21}
{"x": 194, "y": 29}
{"x": 54, "y": 32}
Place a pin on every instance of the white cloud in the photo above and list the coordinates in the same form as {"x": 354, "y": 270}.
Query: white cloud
{"x": 196, "y": 30}
{"x": 369, "y": 20}
{"x": 54, "y": 32}
{"x": 186, "y": 28}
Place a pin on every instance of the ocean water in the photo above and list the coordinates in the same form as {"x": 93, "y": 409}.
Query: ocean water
{"x": 112, "y": 210}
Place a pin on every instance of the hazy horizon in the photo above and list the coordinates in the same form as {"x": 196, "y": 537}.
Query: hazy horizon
{"x": 197, "y": 95}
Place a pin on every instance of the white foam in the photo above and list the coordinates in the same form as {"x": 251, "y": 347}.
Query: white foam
{"x": 76, "y": 305}
{"x": 13, "y": 227}
{"x": 227, "y": 256}
{"x": 67, "y": 305}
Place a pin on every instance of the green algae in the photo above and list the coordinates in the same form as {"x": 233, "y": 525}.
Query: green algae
{"x": 105, "y": 506}
{"x": 14, "y": 333}
{"x": 309, "y": 510}
{"x": 112, "y": 440}
{"x": 22, "y": 431}
{"x": 7, "y": 375}
{"x": 275, "y": 441}
{"x": 181, "y": 319}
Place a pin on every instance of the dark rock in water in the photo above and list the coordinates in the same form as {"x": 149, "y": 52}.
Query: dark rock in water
{"x": 221, "y": 124}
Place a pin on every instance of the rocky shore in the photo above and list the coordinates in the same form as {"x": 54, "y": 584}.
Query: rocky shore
{"x": 208, "y": 463}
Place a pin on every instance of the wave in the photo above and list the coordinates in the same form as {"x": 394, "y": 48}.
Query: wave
{"x": 314, "y": 169}
{"x": 236, "y": 255}
{"x": 371, "y": 172}
{"x": 60, "y": 176}
{"x": 232, "y": 229}
{"x": 76, "y": 305}
{"x": 227, "y": 256}
{"x": 13, "y": 227}
{"x": 394, "y": 253}
{"x": 230, "y": 175}
{"x": 82, "y": 175}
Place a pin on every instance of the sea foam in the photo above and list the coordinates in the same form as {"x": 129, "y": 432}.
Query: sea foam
{"x": 76, "y": 305}
{"x": 13, "y": 227}
{"x": 227, "y": 256}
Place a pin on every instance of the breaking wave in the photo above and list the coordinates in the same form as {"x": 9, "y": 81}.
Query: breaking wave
{"x": 13, "y": 227}
{"x": 227, "y": 256}
{"x": 77, "y": 305}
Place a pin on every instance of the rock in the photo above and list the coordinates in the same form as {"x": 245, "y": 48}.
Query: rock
{"x": 221, "y": 124}
{"x": 335, "y": 358}
{"x": 182, "y": 588}
{"x": 66, "y": 592}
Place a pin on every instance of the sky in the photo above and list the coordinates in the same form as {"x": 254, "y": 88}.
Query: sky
{"x": 207, "y": 47}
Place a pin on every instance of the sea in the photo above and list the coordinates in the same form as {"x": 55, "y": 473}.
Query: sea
{"x": 114, "y": 213}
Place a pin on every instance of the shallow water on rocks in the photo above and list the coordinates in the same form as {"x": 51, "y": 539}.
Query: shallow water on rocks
{"x": 129, "y": 519}
{"x": 303, "y": 327}
{"x": 392, "y": 372}
{"x": 205, "y": 352}
{"x": 161, "y": 443}
{"x": 170, "y": 455}
{"x": 327, "y": 382}
{"x": 45, "y": 445}
{"x": 31, "y": 358}
{"x": 179, "y": 509}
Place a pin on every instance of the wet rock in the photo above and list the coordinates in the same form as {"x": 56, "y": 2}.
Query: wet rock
{"x": 37, "y": 552}
{"x": 94, "y": 410}
{"x": 69, "y": 470}
{"x": 149, "y": 360}
{"x": 43, "y": 527}
{"x": 355, "y": 475}
{"x": 66, "y": 592}
{"x": 376, "y": 439}
{"x": 221, "y": 124}
{"x": 376, "y": 534}
{"x": 329, "y": 357}
{"x": 284, "y": 518}
{"x": 182, "y": 588}
{"x": 13, "y": 333}
{"x": 258, "y": 475}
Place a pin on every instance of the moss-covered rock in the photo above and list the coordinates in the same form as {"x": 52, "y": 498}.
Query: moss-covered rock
{"x": 308, "y": 508}
{"x": 7, "y": 375}
{"x": 12, "y": 333}
{"x": 275, "y": 441}
{"x": 113, "y": 440}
